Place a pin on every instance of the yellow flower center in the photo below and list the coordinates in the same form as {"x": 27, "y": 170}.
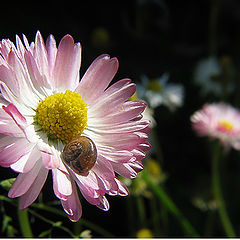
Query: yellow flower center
{"x": 155, "y": 86}
{"x": 134, "y": 97}
{"x": 226, "y": 125}
{"x": 62, "y": 116}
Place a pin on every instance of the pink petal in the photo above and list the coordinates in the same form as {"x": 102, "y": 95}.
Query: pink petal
{"x": 50, "y": 158}
{"x": 103, "y": 203}
{"x": 128, "y": 111}
{"x": 8, "y": 125}
{"x": 105, "y": 174}
{"x": 18, "y": 118}
{"x": 30, "y": 196}
{"x": 26, "y": 91}
{"x": 67, "y": 64}
{"x": 124, "y": 170}
{"x": 72, "y": 205}
{"x": 20, "y": 47}
{"x": 3, "y": 101}
{"x": 122, "y": 189}
{"x": 24, "y": 181}
{"x": 40, "y": 55}
{"x": 138, "y": 154}
{"x": 14, "y": 151}
{"x": 6, "y": 46}
{"x": 26, "y": 43}
{"x": 7, "y": 94}
{"x": 120, "y": 141}
{"x": 39, "y": 81}
{"x": 89, "y": 187}
{"x": 112, "y": 99}
{"x": 115, "y": 155}
{"x": 63, "y": 168}
{"x": 103, "y": 168}
{"x": 144, "y": 146}
{"x": 136, "y": 165}
{"x": 51, "y": 53}
{"x": 126, "y": 127}
{"x": 7, "y": 76}
{"x": 97, "y": 78}
{"x": 27, "y": 161}
{"x": 61, "y": 184}
{"x": 6, "y": 140}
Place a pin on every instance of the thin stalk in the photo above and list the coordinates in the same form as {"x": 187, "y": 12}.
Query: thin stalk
{"x": 84, "y": 222}
{"x": 77, "y": 228}
{"x": 54, "y": 224}
{"x": 156, "y": 216}
{"x": 208, "y": 229}
{"x": 141, "y": 211}
{"x": 218, "y": 193}
{"x": 170, "y": 205}
{"x": 24, "y": 223}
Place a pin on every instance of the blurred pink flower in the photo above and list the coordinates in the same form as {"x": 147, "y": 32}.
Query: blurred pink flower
{"x": 43, "y": 106}
{"x": 220, "y": 121}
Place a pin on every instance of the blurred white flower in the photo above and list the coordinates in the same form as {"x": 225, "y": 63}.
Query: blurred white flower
{"x": 207, "y": 75}
{"x": 148, "y": 115}
{"x": 159, "y": 92}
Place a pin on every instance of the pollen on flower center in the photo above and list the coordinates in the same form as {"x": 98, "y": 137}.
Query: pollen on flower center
{"x": 225, "y": 125}
{"x": 62, "y": 116}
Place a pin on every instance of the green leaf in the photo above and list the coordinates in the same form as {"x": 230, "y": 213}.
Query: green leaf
{"x": 6, "y": 221}
{"x": 7, "y": 183}
{"x": 45, "y": 233}
{"x": 11, "y": 231}
{"x": 57, "y": 224}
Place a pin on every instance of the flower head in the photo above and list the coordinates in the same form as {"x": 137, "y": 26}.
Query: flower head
{"x": 159, "y": 92}
{"x": 44, "y": 107}
{"x": 209, "y": 74}
{"x": 220, "y": 121}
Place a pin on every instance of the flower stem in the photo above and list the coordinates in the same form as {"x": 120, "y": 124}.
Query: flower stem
{"x": 84, "y": 222}
{"x": 218, "y": 193}
{"x": 24, "y": 223}
{"x": 169, "y": 204}
{"x": 141, "y": 211}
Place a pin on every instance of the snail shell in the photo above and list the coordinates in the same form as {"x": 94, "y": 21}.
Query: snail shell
{"x": 80, "y": 154}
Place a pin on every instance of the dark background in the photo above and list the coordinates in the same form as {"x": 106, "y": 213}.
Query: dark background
{"x": 149, "y": 37}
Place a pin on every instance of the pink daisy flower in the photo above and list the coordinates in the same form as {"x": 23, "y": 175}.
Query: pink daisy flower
{"x": 44, "y": 106}
{"x": 220, "y": 121}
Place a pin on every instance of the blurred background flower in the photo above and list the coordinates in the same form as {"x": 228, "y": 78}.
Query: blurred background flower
{"x": 214, "y": 76}
{"x": 220, "y": 121}
{"x": 159, "y": 92}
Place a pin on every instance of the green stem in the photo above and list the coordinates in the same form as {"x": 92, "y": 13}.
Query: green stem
{"x": 84, "y": 222}
{"x": 54, "y": 224}
{"x": 218, "y": 193}
{"x": 141, "y": 211}
{"x": 155, "y": 216}
{"x": 24, "y": 223}
{"x": 169, "y": 204}
{"x": 208, "y": 229}
{"x": 77, "y": 228}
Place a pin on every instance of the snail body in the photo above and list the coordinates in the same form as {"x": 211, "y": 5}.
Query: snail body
{"x": 80, "y": 154}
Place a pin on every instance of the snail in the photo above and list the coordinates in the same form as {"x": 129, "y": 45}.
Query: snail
{"x": 80, "y": 154}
